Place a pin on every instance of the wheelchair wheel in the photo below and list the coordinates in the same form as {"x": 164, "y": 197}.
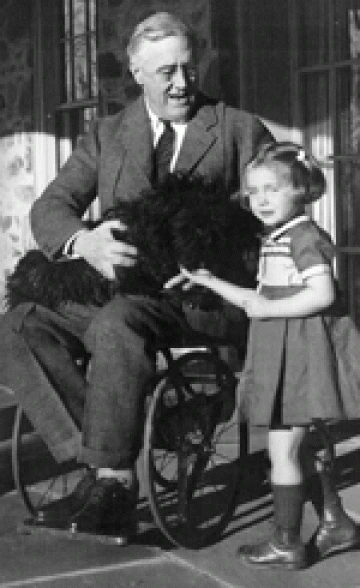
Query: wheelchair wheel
{"x": 192, "y": 449}
{"x": 38, "y": 478}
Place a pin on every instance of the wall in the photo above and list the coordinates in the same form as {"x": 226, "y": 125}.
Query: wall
{"x": 16, "y": 138}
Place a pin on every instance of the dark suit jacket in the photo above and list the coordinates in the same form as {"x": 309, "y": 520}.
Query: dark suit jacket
{"x": 113, "y": 161}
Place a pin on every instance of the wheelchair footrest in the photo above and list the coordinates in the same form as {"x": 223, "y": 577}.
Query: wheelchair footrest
{"x": 30, "y": 526}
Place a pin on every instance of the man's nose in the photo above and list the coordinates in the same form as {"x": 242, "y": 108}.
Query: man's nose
{"x": 180, "y": 78}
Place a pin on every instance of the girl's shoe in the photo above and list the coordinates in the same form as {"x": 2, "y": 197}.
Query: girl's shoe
{"x": 336, "y": 532}
{"x": 273, "y": 554}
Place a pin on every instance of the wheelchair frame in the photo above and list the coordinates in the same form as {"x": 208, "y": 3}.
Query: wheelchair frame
{"x": 191, "y": 469}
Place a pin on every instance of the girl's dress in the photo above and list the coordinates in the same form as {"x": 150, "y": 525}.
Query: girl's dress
{"x": 300, "y": 369}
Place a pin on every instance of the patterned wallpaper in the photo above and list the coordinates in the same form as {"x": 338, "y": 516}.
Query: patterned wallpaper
{"x": 16, "y": 137}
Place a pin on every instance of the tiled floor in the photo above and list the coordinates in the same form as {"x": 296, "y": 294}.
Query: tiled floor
{"x": 48, "y": 560}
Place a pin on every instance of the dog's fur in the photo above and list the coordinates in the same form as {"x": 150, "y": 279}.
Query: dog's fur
{"x": 184, "y": 221}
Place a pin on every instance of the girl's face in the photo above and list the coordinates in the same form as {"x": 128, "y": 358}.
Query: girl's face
{"x": 273, "y": 200}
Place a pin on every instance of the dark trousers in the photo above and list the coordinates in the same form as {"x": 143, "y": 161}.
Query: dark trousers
{"x": 95, "y": 416}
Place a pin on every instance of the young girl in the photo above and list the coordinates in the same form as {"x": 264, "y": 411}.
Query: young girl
{"x": 299, "y": 370}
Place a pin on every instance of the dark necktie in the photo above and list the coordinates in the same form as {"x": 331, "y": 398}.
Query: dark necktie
{"x": 163, "y": 153}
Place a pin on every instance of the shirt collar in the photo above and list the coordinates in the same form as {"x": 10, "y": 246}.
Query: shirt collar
{"x": 157, "y": 124}
{"x": 286, "y": 226}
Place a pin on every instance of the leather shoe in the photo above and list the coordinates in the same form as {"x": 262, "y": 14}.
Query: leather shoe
{"x": 334, "y": 535}
{"x": 273, "y": 555}
{"x": 59, "y": 512}
{"x": 109, "y": 510}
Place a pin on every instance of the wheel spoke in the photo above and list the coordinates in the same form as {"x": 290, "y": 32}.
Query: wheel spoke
{"x": 193, "y": 506}
{"x": 37, "y": 476}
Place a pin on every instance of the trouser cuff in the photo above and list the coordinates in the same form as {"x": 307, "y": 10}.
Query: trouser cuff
{"x": 102, "y": 459}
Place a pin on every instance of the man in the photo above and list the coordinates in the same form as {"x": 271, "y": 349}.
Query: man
{"x": 116, "y": 160}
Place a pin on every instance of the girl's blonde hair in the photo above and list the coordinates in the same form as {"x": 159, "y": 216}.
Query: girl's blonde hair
{"x": 296, "y": 166}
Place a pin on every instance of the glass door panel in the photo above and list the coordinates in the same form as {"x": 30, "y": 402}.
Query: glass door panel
{"x": 347, "y": 29}
{"x": 313, "y": 29}
{"x": 347, "y": 119}
{"x": 316, "y": 112}
{"x": 348, "y": 186}
{"x": 349, "y": 275}
{"x": 79, "y": 76}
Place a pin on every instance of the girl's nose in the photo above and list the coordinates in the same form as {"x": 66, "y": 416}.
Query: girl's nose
{"x": 263, "y": 198}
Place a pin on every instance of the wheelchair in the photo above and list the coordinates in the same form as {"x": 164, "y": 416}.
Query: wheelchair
{"x": 193, "y": 443}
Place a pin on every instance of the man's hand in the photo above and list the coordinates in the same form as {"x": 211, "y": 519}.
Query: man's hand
{"x": 99, "y": 248}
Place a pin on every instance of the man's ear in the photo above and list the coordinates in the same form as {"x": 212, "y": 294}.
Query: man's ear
{"x": 136, "y": 71}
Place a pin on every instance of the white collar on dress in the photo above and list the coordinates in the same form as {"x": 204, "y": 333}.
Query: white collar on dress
{"x": 286, "y": 226}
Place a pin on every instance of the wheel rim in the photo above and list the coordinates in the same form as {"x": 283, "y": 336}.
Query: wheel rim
{"x": 199, "y": 465}
{"x": 38, "y": 478}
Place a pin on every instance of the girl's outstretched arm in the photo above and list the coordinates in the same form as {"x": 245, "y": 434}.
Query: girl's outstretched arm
{"x": 318, "y": 294}
{"x": 234, "y": 294}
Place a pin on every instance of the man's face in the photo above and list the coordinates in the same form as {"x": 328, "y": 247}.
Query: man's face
{"x": 166, "y": 71}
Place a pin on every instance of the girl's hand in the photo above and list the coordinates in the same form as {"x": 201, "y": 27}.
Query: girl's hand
{"x": 188, "y": 279}
{"x": 174, "y": 281}
{"x": 200, "y": 277}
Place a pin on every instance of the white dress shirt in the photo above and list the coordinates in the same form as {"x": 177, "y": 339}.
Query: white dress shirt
{"x": 157, "y": 127}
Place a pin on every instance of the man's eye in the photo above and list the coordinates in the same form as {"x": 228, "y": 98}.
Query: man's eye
{"x": 166, "y": 73}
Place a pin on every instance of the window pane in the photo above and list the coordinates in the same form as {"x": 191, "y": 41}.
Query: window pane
{"x": 93, "y": 66}
{"x": 66, "y": 72}
{"x": 347, "y": 29}
{"x": 71, "y": 125}
{"x": 349, "y": 277}
{"x": 313, "y": 32}
{"x": 92, "y": 14}
{"x": 348, "y": 185}
{"x": 65, "y": 19}
{"x": 78, "y": 51}
{"x": 316, "y": 113}
{"x": 81, "y": 75}
{"x": 348, "y": 110}
{"x": 79, "y": 17}
{"x": 78, "y": 67}
{"x": 89, "y": 115}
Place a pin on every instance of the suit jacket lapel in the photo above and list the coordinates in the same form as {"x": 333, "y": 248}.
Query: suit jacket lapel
{"x": 199, "y": 137}
{"x": 129, "y": 157}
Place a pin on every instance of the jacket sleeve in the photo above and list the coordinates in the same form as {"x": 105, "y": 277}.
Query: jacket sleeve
{"x": 56, "y": 215}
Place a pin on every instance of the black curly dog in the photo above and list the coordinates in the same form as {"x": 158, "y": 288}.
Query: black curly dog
{"x": 184, "y": 221}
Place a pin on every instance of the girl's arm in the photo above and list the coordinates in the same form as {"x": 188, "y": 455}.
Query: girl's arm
{"x": 318, "y": 294}
{"x": 234, "y": 294}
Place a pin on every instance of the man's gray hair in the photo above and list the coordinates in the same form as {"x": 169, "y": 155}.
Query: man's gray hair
{"x": 156, "y": 27}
